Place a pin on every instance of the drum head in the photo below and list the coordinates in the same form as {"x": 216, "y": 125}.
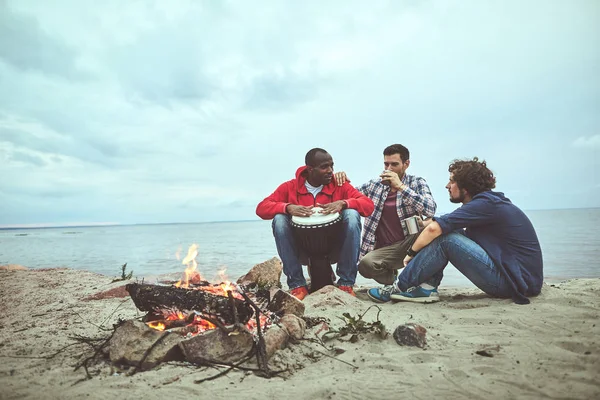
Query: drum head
{"x": 316, "y": 218}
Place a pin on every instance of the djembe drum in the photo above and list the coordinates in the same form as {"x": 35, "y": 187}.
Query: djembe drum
{"x": 317, "y": 237}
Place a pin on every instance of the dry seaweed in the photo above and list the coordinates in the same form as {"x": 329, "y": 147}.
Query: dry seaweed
{"x": 356, "y": 326}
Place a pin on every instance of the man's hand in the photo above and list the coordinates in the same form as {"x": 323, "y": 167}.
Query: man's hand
{"x": 340, "y": 178}
{"x": 407, "y": 260}
{"x": 393, "y": 180}
{"x": 334, "y": 207}
{"x": 299, "y": 211}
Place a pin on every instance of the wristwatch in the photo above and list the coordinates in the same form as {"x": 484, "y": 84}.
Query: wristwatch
{"x": 410, "y": 252}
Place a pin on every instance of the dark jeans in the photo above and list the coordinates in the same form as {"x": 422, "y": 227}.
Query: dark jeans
{"x": 466, "y": 255}
{"x": 292, "y": 258}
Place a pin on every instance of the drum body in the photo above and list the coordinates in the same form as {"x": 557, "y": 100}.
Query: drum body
{"x": 318, "y": 239}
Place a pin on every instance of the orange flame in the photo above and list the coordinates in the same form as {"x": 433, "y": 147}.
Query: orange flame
{"x": 159, "y": 326}
{"x": 190, "y": 271}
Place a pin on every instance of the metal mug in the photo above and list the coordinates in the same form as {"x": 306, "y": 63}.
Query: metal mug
{"x": 411, "y": 225}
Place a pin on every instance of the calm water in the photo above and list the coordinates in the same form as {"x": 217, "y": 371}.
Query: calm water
{"x": 570, "y": 243}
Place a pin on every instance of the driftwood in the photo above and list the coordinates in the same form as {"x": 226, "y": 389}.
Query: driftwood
{"x": 153, "y": 297}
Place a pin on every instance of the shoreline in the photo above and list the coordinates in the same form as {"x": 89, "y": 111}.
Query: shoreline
{"x": 360, "y": 285}
{"x": 547, "y": 349}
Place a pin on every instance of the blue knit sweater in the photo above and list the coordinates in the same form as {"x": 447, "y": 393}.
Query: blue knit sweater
{"x": 507, "y": 236}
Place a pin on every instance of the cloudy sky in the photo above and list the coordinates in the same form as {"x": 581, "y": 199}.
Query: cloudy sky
{"x": 184, "y": 111}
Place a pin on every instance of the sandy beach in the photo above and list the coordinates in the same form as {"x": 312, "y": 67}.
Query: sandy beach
{"x": 548, "y": 349}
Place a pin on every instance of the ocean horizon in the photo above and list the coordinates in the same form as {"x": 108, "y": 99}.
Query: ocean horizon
{"x": 152, "y": 249}
{"x": 98, "y": 224}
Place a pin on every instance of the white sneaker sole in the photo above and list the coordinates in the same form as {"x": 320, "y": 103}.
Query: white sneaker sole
{"x": 424, "y": 300}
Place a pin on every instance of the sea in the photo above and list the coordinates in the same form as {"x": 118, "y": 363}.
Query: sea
{"x": 570, "y": 241}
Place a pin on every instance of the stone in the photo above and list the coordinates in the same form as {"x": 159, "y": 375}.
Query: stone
{"x": 266, "y": 274}
{"x": 216, "y": 346}
{"x": 411, "y": 335}
{"x": 276, "y": 338}
{"x": 294, "y": 325}
{"x": 133, "y": 338}
{"x": 282, "y": 301}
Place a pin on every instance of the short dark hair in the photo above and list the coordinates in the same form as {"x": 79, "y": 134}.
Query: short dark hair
{"x": 472, "y": 175}
{"x": 309, "y": 159}
{"x": 397, "y": 149}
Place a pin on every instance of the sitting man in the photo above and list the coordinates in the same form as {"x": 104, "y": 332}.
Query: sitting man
{"x": 489, "y": 239}
{"x": 314, "y": 186}
{"x": 396, "y": 196}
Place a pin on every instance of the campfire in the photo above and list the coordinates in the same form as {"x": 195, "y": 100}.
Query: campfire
{"x": 209, "y": 323}
{"x": 193, "y": 305}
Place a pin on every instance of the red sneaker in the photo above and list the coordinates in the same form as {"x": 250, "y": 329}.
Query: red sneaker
{"x": 300, "y": 292}
{"x": 347, "y": 289}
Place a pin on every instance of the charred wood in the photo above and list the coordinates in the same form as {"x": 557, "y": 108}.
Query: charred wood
{"x": 152, "y": 297}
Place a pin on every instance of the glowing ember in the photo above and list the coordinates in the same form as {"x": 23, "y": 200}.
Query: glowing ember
{"x": 174, "y": 316}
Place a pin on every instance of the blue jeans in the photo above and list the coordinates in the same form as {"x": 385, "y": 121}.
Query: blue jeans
{"x": 466, "y": 255}
{"x": 347, "y": 258}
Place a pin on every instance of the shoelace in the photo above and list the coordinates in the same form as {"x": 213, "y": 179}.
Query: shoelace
{"x": 388, "y": 289}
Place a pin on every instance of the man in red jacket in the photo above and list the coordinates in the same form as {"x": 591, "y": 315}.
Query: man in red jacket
{"x": 314, "y": 186}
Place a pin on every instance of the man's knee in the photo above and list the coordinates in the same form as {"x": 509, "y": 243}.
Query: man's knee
{"x": 453, "y": 240}
{"x": 351, "y": 218}
{"x": 366, "y": 266}
{"x": 280, "y": 224}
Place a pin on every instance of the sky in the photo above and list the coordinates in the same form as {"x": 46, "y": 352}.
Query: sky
{"x": 192, "y": 111}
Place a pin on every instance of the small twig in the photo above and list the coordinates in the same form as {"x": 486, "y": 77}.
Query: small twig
{"x": 114, "y": 311}
{"x": 92, "y": 357}
{"x": 238, "y": 366}
{"x": 367, "y": 310}
{"x": 215, "y": 321}
{"x": 233, "y": 307}
{"x": 261, "y": 353}
{"x": 333, "y": 358}
{"x": 231, "y": 368}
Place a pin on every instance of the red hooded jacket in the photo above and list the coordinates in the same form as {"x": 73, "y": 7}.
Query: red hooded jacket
{"x": 294, "y": 192}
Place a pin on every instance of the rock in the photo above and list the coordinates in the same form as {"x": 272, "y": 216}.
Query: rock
{"x": 276, "y": 338}
{"x": 132, "y": 339}
{"x": 411, "y": 335}
{"x": 13, "y": 267}
{"x": 295, "y": 326}
{"x": 285, "y": 302}
{"x": 266, "y": 274}
{"x": 216, "y": 346}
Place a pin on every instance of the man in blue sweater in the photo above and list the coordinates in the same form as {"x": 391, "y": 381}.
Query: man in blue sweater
{"x": 488, "y": 239}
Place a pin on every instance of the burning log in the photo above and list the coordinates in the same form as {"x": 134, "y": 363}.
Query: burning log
{"x": 153, "y": 297}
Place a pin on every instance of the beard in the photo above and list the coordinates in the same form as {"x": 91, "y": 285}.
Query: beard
{"x": 460, "y": 198}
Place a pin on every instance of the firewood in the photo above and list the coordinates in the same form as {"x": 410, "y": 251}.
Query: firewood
{"x": 152, "y": 297}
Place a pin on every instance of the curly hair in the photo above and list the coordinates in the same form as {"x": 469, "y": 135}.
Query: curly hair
{"x": 472, "y": 175}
